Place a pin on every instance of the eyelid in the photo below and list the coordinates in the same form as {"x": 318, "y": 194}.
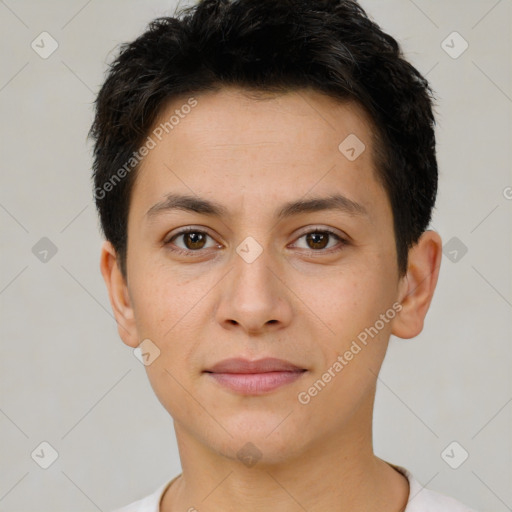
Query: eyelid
{"x": 186, "y": 229}
{"x": 342, "y": 238}
{"x": 324, "y": 229}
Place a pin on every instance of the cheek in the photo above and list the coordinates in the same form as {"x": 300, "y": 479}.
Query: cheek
{"x": 353, "y": 355}
{"x": 352, "y": 305}
{"x": 162, "y": 298}
{"x": 165, "y": 313}
{"x": 169, "y": 310}
{"x": 153, "y": 307}
{"x": 347, "y": 298}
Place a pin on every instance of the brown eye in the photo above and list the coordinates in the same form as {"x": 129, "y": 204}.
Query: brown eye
{"x": 317, "y": 240}
{"x": 321, "y": 240}
{"x": 194, "y": 240}
{"x": 189, "y": 240}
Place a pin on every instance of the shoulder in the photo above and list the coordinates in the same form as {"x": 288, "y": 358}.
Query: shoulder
{"x": 150, "y": 503}
{"x": 422, "y": 499}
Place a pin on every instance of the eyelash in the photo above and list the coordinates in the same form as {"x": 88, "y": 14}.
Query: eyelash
{"x": 179, "y": 250}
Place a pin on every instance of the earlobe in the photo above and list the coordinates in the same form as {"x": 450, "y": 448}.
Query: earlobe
{"x": 118, "y": 295}
{"x": 418, "y": 286}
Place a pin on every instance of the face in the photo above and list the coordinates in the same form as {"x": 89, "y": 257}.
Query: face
{"x": 262, "y": 270}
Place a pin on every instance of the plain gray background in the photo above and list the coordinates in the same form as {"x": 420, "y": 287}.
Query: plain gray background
{"x": 68, "y": 380}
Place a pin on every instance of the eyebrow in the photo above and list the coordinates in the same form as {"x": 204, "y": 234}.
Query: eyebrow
{"x": 202, "y": 206}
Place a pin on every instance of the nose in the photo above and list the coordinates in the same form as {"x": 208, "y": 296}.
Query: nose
{"x": 254, "y": 297}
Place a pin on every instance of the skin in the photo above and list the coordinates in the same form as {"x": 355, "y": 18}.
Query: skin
{"x": 297, "y": 301}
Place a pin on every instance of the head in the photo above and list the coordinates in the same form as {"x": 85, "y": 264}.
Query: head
{"x": 296, "y": 145}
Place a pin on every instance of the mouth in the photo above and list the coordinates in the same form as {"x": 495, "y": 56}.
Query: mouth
{"x": 254, "y": 377}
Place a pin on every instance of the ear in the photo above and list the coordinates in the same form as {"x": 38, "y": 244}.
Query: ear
{"x": 416, "y": 288}
{"x": 118, "y": 295}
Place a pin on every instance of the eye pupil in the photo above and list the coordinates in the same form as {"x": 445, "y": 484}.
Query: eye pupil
{"x": 196, "y": 239}
{"x": 319, "y": 239}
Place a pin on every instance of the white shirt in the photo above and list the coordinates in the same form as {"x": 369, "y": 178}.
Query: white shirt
{"x": 420, "y": 499}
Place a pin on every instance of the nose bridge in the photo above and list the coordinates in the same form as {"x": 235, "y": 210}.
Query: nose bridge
{"x": 254, "y": 296}
{"x": 252, "y": 276}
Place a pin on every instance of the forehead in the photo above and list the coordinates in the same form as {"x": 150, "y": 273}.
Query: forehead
{"x": 258, "y": 144}
{"x": 247, "y": 117}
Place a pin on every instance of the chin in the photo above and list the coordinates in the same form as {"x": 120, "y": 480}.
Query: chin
{"x": 267, "y": 442}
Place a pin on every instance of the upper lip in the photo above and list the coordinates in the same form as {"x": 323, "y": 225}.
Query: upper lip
{"x": 240, "y": 365}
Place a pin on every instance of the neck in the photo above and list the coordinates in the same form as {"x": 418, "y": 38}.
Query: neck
{"x": 338, "y": 472}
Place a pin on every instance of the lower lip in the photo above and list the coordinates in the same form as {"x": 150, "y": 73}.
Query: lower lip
{"x": 255, "y": 383}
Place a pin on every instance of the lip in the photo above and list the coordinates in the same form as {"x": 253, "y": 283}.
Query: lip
{"x": 240, "y": 365}
{"x": 254, "y": 377}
